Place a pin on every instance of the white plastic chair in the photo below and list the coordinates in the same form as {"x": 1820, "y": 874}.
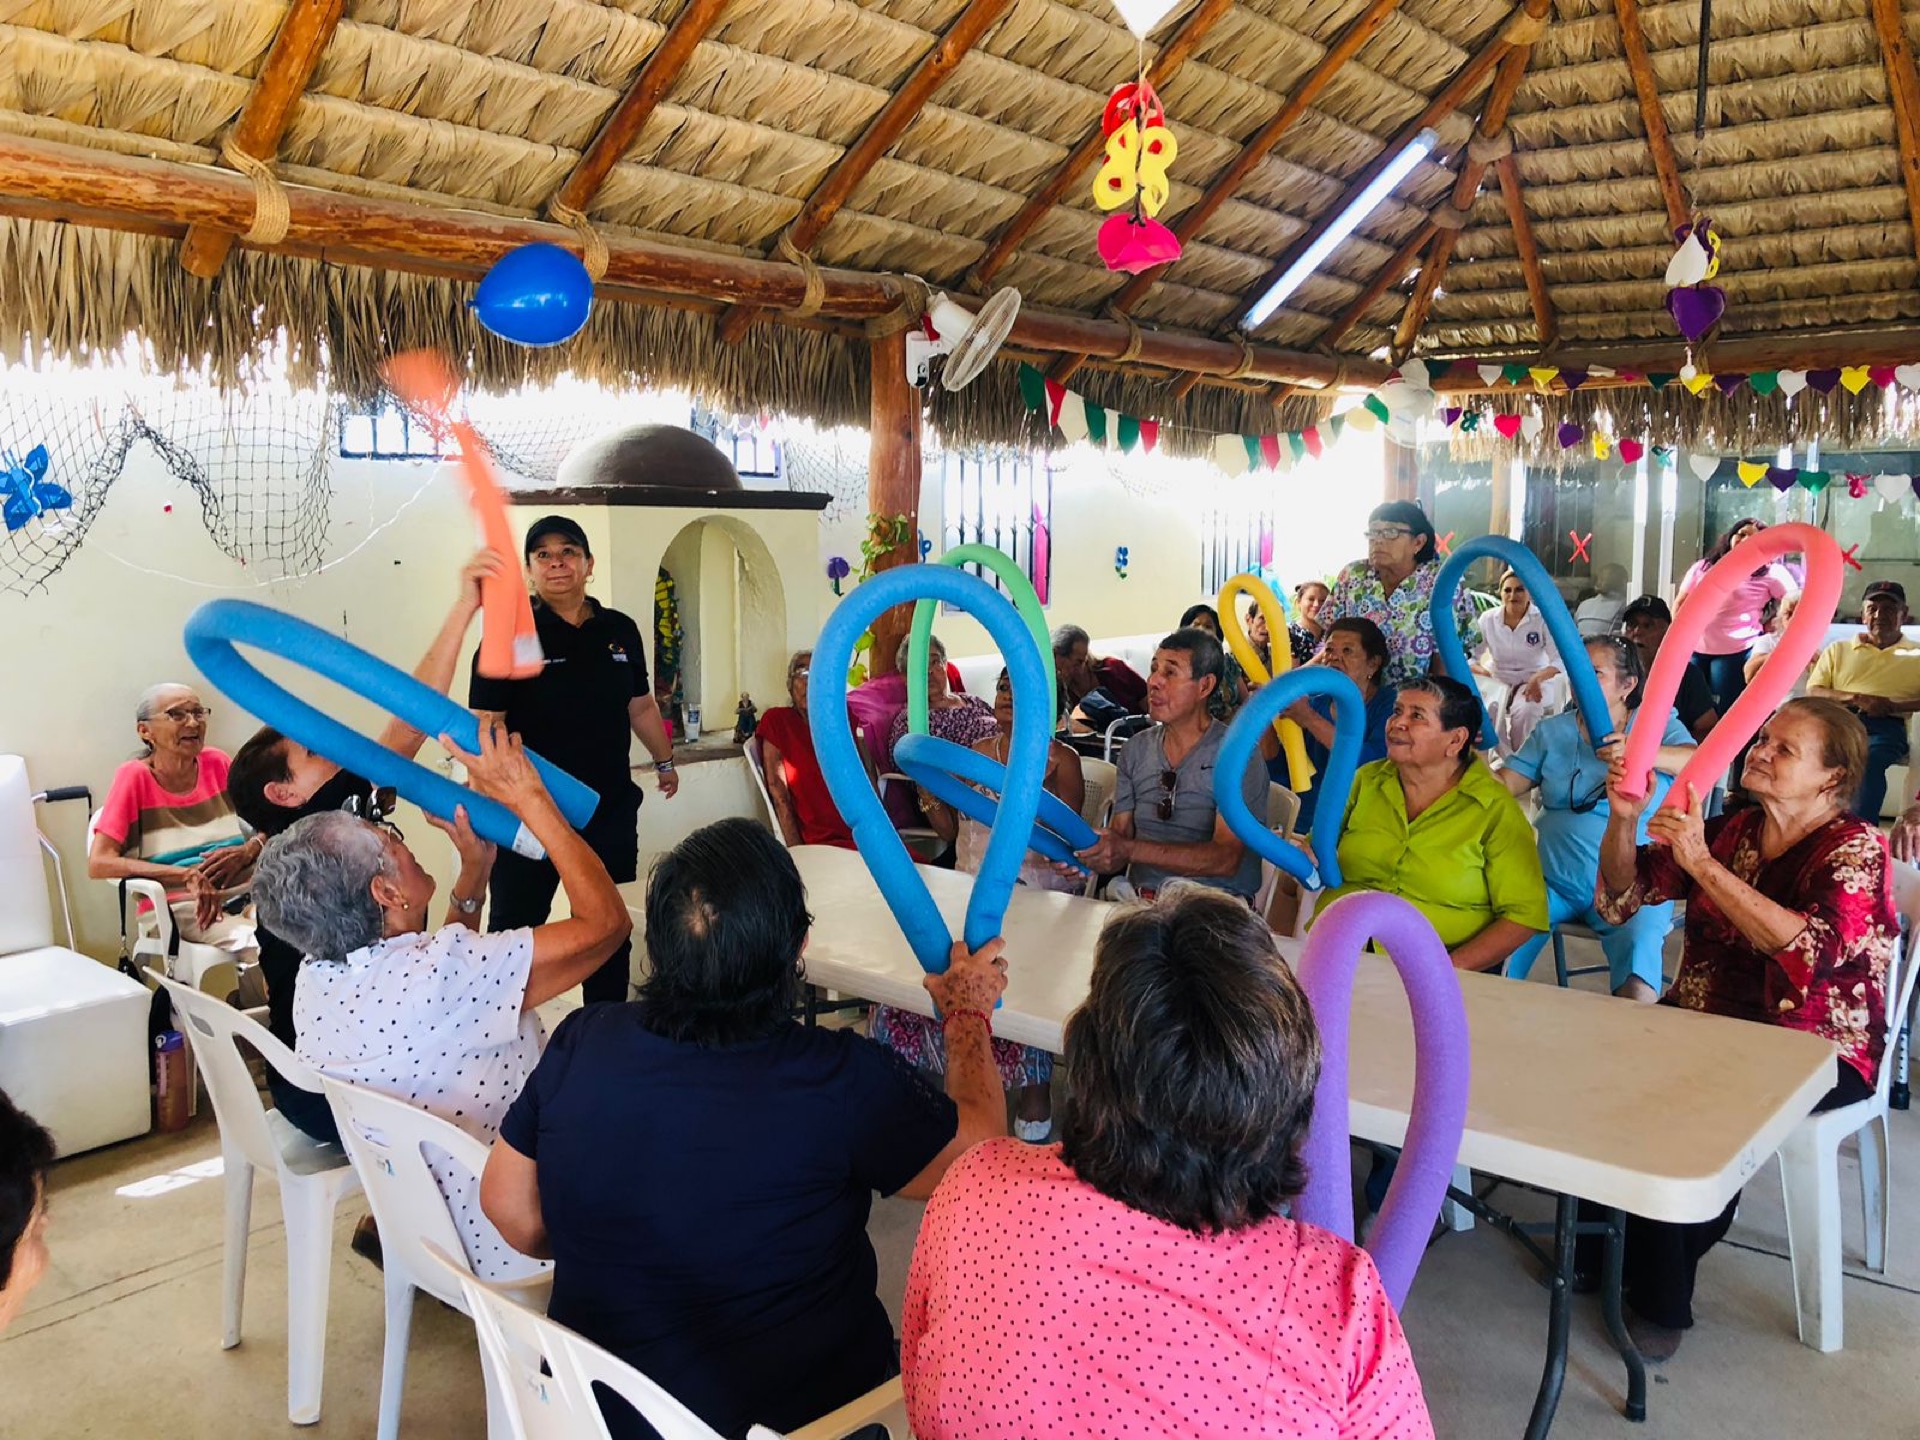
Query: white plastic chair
{"x": 388, "y": 1141}
{"x": 314, "y": 1177}
{"x": 1101, "y": 779}
{"x": 1810, "y": 1159}
{"x": 756, "y": 766}
{"x": 147, "y": 928}
{"x": 547, "y": 1372}
{"x": 1283, "y": 808}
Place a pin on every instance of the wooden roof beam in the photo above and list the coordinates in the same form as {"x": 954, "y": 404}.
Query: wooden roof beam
{"x": 1903, "y": 86}
{"x": 1521, "y": 27}
{"x": 1491, "y": 141}
{"x": 1545, "y": 323}
{"x": 283, "y": 79}
{"x": 880, "y": 136}
{"x": 1088, "y": 152}
{"x": 1666, "y": 167}
{"x": 626, "y": 120}
{"x": 1390, "y": 275}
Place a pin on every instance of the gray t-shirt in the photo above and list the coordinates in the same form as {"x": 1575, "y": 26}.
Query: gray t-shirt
{"x": 1143, "y": 762}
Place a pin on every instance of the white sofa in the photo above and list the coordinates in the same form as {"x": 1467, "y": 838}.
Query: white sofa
{"x": 73, "y": 1032}
{"x": 979, "y": 672}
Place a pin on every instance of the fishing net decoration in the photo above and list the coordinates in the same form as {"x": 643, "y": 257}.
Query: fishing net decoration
{"x": 86, "y": 438}
{"x": 831, "y": 463}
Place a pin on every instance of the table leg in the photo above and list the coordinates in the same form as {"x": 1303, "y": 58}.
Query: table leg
{"x": 1559, "y": 1321}
{"x": 1616, "y": 1321}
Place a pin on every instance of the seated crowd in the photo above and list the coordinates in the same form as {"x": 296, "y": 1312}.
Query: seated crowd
{"x": 700, "y": 1166}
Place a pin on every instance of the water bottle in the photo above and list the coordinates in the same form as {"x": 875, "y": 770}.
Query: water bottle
{"x": 172, "y": 1077}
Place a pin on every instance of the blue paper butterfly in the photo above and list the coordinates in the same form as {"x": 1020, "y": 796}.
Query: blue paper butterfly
{"x": 25, "y": 490}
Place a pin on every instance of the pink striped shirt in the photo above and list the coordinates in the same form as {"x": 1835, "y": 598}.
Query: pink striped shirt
{"x": 1038, "y": 1306}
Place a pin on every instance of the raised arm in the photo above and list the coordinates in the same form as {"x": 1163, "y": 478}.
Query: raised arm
{"x": 436, "y": 666}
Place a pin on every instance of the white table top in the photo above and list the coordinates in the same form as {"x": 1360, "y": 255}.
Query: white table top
{"x": 1659, "y": 1111}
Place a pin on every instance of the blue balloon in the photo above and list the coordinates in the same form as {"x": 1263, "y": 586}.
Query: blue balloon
{"x": 949, "y": 773}
{"x": 536, "y": 295}
{"x": 1343, "y": 758}
{"x": 1567, "y": 638}
{"x": 216, "y": 626}
{"x": 873, "y": 833}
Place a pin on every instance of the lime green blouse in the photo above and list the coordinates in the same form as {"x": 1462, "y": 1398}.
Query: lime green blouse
{"x": 1470, "y": 859}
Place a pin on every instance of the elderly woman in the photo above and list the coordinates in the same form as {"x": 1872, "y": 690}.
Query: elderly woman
{"x": 1433, "y": 825}
{"x": 961, "y": 719}
{"x": 1357, "y": 649}
{"x": 1791, "y": 923}
{"x": 26, "y": 1154}
{"x": 1728, "y": 638}
{"x": 1307, "y": 628}
{"x": 441, "y": 1018}
{"x": 1231, "y": 693}
{"x": 1559, "y": 760}
{"x": 1393, "y": 587}
{"x": 1518, "y": 655}
{"x": 803, "y": 805}
{"x": 167, "y": 817}
{"x": 1142, "y": 1278}
{"x": 701, "y": 1168}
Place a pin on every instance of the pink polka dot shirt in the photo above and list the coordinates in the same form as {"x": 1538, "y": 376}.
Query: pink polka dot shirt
{"x": 1038, "y": 1306}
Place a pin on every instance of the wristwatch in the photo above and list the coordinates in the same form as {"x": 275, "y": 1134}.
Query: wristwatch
{"x": 465, "y": 907}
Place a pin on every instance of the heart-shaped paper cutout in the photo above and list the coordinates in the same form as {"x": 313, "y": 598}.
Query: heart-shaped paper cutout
{"x": 1631, "y": 451}
{"x": 1908, "y": 376}
{"x": 1782, "y": 479}
{"x": 1814, "y": 480}
{"x": 1856, "y": 378}
{"x": 1792, "y": 382}
{"x": 1824, "y": 380}
{"x": 1698, "y": 382}
{"x": 1751, "y": 472}
{"x": 1764, "y": 382}
{"x": 1892, "y": 487}
{"x": 1489, "y": 374}
{"x": 1530, "y": 426}
{"x": 1450, "y": 416}
{"x": 1696, "y": 309}
{"x": 879, "y": 843}
{"x": 1569, "y": 435}
{"x": 1703, "y": 466}
{"x": 1507, "y": 425}
{"x": 1343, "y": 758}
{"x": 1728, "y": 384}
{"x": 1881, "y": 375}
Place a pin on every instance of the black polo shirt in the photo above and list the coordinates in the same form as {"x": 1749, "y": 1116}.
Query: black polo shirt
{"x": 574, "y": 712}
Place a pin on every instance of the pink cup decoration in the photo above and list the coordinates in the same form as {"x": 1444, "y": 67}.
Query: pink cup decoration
{"x": 1133, "y": 243}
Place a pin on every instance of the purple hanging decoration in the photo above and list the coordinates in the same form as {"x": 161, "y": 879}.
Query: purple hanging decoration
{"x": 1727, "y": 384}
{"x": 1569, "y": 435}
{"x": 1695, "y": 304}
{"x": 1823, "y": 380}
{"x": 1782, "y": 479}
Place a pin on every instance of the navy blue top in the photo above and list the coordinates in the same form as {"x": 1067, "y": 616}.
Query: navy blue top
{"x": 707, "y": 1207}
{"x": 1373, "y": 746}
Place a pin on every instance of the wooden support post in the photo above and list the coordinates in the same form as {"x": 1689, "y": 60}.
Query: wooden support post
{"x": 893, "y": 477}
{"x": 1665, "y": 167}
{"x": 1402, "y": 466}
{"x": 1083, "y": 156}
{"x": 880, "y": 136}
{"x": 1903, "y": 85}
{"x": 283, "y": 78}
{"x": 1544, "y": 321}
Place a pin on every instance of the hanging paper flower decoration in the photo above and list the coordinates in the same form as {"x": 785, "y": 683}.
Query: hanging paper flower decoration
{"x": 1120, "y": 561}
{"x": 837, "y": 570}
{"x": 26, "y": 490}
{"x": 1696, "y": 305}
{"x": 1140, "y": 147}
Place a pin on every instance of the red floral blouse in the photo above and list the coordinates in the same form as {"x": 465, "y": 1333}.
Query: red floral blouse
{"x": 1830, "y": 979}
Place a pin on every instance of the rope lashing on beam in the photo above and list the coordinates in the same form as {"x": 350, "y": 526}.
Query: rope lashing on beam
{"x": 1134, "y": 340}
{"x": 593, "y": 247}
{"x": 271, "y": 217}
{"x": 816, "y": 284}
{"x": 1490, "y": 149}
{"x": 1245, "y": 367}
{"x": 914, "y": 297}
{"x": 1446, "y": 217}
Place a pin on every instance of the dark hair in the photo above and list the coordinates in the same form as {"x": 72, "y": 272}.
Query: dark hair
{"x": 1843, "y": 743}
{"x": 1194, "y": 612}
{"x": 1195, "y": 1059}
{"x": 1627, "y": 663}
{"x": 1060, "y": 705}
{"x": 26, "y": 1150}
{"x": 1459, "y": 705}
{"x": 1646, "y": 605}
{"x": 1368, "y": 634}
{"x": 726, "y": 920}
{"x": 1405, "y": 512}
{"x": 261, "y": 762}
{"x": 1718, "y": 550}
{"x": 1205, "y": 658}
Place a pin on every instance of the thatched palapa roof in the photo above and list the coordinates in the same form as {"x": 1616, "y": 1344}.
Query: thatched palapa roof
{"x": 413, "y": 141}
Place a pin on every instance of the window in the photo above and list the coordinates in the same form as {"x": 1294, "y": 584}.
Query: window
{"x": 382, "y": 430}
{"x": 1234, "y": 542}
{"x": 754, "y": 452}
{"x": 1003, "y": 499}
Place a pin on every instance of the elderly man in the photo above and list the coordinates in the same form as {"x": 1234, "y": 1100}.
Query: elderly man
{"x": 439, "y": 1018}
{"x": 1164, "y": 826}
{"x": 1645, "y": 622}
{"x": 1876, "y": 674}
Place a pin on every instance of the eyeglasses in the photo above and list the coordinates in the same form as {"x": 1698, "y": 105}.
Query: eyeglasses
{"x": 375, "y": 807}
{"x": 1388, "y": 532}
{"x": 1169, "y": 783}
{"x": 1587, "y": 803}
{"x": 181, "y": 714}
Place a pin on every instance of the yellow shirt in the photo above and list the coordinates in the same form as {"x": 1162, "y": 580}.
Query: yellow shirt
{"x": 1468, "y": 860}
{"x": 1860, "y": 667}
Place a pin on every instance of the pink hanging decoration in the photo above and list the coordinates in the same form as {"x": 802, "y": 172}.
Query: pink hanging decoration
{"x": 1042, "y": 557}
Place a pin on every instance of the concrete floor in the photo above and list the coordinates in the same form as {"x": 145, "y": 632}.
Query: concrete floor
{"x": 123, "y": 1337}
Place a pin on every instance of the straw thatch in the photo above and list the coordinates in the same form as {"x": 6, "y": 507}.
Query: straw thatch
{"x": 487, "y": 107}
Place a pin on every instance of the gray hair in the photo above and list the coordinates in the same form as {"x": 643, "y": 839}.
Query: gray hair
{"x": 936, "y": 652}
{"x": 1065, "y": 637}
{"x": 312, "y": 884}
{"x": 149, "y": 701}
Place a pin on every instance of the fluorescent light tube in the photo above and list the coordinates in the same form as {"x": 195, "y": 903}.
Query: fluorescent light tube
{"x": 1344, "y": 224}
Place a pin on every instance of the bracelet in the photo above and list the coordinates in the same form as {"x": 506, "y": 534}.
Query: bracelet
{"x": 661, "y": 767}
{"x": 953, "y": 1015}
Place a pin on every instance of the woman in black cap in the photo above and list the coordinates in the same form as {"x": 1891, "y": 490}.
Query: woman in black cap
{"x": 578, "y": 712}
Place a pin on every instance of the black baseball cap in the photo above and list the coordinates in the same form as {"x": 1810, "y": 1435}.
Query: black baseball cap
{"x": 1891, "y": 588}
{"x": 556, "y": 525}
